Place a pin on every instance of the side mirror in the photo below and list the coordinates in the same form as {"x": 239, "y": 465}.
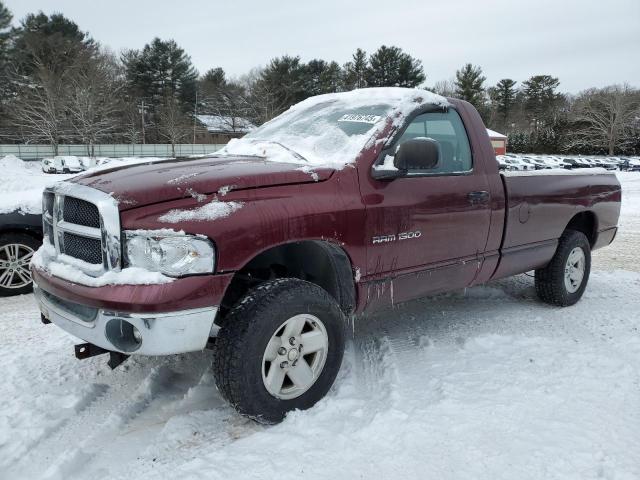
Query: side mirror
{"x": 416, "y": 154}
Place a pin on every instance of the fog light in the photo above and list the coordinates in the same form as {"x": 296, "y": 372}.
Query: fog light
{"x": 123, "y": 335}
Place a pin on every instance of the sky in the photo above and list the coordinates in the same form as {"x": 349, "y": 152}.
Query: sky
{"x": 586, "y": 43}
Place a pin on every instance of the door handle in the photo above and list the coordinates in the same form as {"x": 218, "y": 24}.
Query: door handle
{"x": 478, "y": 198}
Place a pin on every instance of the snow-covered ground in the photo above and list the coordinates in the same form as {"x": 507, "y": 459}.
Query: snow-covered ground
{"x": 488, "y": 383}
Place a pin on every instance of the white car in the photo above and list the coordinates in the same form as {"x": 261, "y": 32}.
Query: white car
{"x": 62, "y": 164}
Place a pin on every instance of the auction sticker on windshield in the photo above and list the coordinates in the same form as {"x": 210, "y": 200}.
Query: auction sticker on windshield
{"x": 360, "y": 118}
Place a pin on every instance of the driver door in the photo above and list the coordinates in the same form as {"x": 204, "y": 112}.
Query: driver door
{"x": 426, "y": 231}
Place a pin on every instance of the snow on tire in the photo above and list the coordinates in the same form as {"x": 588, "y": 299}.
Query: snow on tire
{"x": 563, "y": 281}
{"x": 279, "y": 349}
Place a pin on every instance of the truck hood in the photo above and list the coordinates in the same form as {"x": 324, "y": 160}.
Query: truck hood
{"x": 142, "y": 184}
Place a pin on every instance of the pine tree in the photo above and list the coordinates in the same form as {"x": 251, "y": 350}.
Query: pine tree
{"x": 355, "y": 71}
{"x": 504, "y": 97}
{"x": 280, "y": 85}
{"x": 391, "y": 67}
{"x": 541, "y": 98}
{"x": 5, "y": 36}
{"x": 161, "y": 68}
{"x": 321, "y": 77}
{"x": 5, "y": 30}
{"x": 51, "y": 42}
{"x": 470, "y": 85}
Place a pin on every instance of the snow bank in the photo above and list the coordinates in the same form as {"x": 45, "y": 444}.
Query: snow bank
{"x": 211, "y": 211}
{"x": 310, "y": 132}
{"x": 21, "y": 185}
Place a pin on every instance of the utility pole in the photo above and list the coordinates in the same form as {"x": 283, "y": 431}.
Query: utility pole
{"x": 195, "y": 116}
{"x": 142, "y": 107}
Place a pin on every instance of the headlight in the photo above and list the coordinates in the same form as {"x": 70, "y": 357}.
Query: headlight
{"x": 174, "y": 255}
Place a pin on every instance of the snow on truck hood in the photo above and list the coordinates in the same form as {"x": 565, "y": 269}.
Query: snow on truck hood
{"x": 146, "y": 183}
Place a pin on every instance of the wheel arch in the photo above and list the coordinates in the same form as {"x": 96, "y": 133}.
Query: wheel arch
{"x": 587, "y": 223}
{"x": 317, "y": 261}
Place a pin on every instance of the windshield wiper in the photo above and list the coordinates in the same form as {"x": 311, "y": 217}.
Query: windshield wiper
{"x": 293, "y": 152}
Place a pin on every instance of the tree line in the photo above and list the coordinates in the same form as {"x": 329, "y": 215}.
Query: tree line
{"x": 59, "y": 85}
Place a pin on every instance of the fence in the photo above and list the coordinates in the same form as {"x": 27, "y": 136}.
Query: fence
{"x": 37, "y": 152}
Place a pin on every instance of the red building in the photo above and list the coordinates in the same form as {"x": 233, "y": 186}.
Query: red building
{"x": 498, "y": 142}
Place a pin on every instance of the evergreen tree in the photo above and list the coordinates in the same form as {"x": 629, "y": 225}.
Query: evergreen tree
{"x": 5, "y": 31}
{"x": 161, "y": 68}
{"x": 213, "y": 79}
{"x": 541, "y": 99}
{"x": 355, "y": 71}
{"x": 519, "y": 142}
{"x": 279, "y": 85}
{"x": 5, "y": 35}
{"x": 504, "y": 97}
{"x": 469, "y": 85}
{"x": 322, "y": 77}
{"x": 391, "y": 67}
{"x": 50, "y": 42}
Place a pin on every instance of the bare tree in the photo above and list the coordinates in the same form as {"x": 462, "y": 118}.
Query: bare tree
{"x": 265, "y": 102}
{"x": 92, "y": 105}
{"x": 604, "y": 118}
{"x": 39, "y": 111}
{"x": 446, "y": 88}
{"x": 173, "y": 124}
{"x": 131, "y": 124}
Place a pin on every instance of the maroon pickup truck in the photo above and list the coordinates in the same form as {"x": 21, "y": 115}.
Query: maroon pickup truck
{"x": 343, "y": 205}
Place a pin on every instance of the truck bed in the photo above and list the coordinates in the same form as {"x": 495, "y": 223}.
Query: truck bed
{"x": 540, "y": 204}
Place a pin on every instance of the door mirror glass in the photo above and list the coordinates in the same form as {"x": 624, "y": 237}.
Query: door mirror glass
{"x": 418, "y": 154}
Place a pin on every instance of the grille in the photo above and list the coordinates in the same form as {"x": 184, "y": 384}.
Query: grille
{"x": 77, "y": 220}
{"x": 81, "y": 212}
{"x": 87, "y": 249}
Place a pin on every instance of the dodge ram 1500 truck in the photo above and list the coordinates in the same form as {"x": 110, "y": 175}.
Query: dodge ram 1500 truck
{"x": 344, "y": 204}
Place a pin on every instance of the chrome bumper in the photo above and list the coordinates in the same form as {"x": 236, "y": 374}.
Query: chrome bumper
{"x": 132, "y": 333}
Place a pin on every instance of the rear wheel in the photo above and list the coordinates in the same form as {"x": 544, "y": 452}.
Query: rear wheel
{"x": 280, "y": 349}
{"x": 16, "y": 250}
{"x": 563, "y": 281}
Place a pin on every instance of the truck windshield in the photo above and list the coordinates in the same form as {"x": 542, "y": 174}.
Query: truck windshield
{"x": 327, "y": 133}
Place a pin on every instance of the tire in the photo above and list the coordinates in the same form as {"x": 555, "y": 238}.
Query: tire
{"x": 551, "y": 284}
{"x": 16, "y": 250}
{"x": 240, "y": 367}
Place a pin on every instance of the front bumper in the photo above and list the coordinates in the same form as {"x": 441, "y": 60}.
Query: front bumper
{"x": 130, "y": 333}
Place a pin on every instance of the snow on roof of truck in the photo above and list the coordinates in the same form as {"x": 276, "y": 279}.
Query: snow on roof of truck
{"x": 331, "y": 130}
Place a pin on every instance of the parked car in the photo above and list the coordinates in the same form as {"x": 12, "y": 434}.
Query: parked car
{"x": 630, "y": 164}
{"x": 60, "y": 164}
{"x": 266, "y": 248}
{"x": 536, "y": 163}
{"x": 20, "y": 237}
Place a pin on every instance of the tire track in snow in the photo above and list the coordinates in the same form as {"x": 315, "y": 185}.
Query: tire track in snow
{"x": 155, "y": 386}
{"x": 92, "y": 394}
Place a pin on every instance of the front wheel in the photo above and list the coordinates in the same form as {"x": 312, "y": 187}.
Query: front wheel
{"x": 280, "y": 349}
{"x": 563, "y": 281}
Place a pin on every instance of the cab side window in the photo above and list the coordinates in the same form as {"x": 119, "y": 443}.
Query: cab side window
{"x": 448, "y": 130}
